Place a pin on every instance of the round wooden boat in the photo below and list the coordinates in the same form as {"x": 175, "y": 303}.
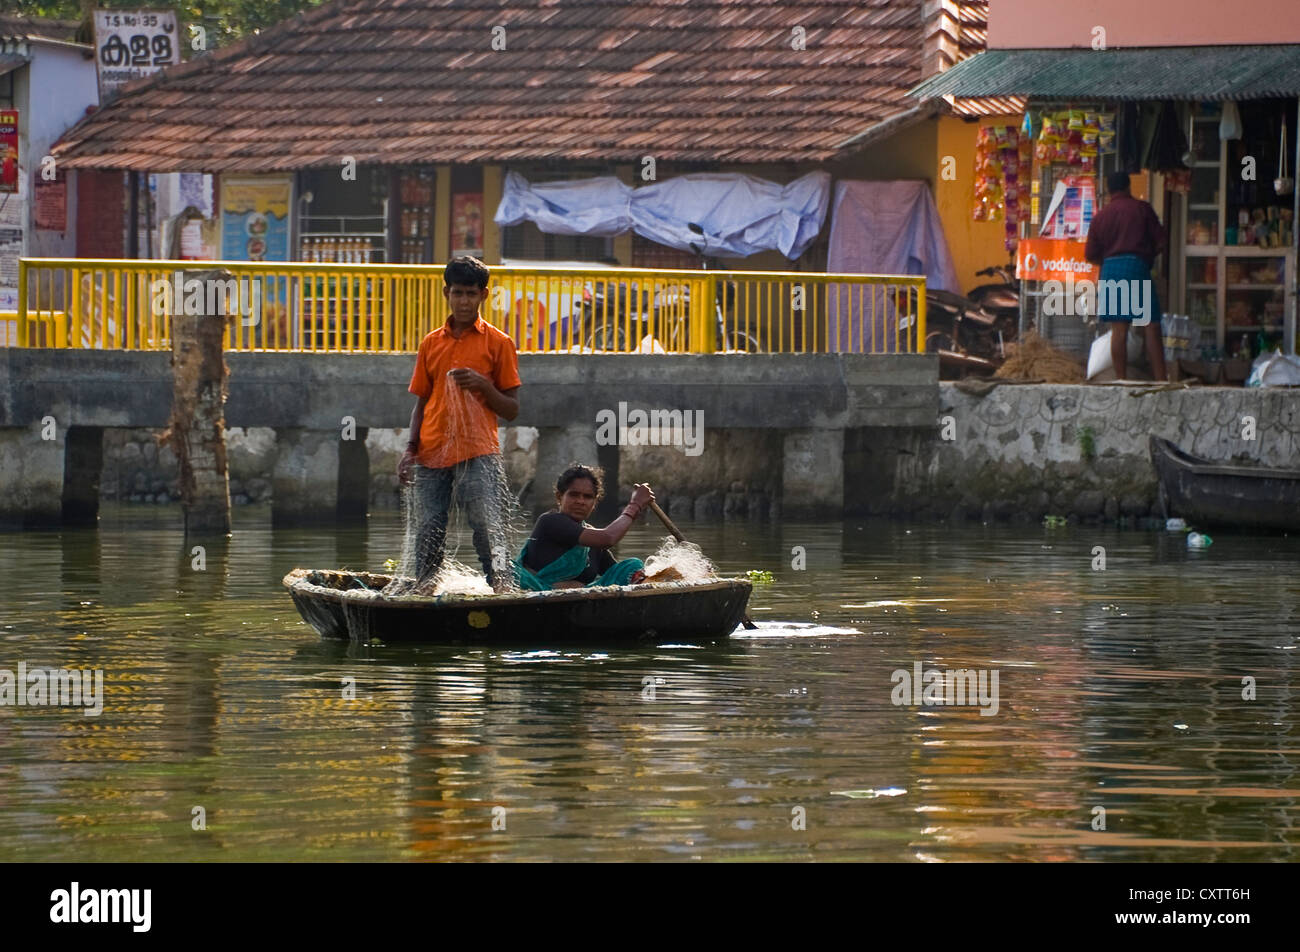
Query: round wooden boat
{"x": 340, "y": 604}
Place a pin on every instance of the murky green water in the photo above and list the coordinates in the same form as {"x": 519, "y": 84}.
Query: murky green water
{"x": 1120, "y": 689}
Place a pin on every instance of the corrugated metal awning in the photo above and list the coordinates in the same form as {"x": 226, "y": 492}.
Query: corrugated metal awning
{"x": 1180, "y": 73}
{"x": 10, "y": 62}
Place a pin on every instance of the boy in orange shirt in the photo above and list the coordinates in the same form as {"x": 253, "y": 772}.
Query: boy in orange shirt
{"x": 453, "y": 444}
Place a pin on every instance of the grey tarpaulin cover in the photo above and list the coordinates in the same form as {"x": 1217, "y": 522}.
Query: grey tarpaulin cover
{"x": 887, "y": 227}
{"x": 740, "y": 214}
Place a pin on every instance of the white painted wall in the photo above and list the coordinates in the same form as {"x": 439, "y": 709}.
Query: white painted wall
{"x": 59, "y": 83}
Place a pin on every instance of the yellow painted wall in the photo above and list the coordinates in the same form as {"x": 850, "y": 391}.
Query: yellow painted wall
{"x": 973, "y": 244}
{"x": 907, "y": 154}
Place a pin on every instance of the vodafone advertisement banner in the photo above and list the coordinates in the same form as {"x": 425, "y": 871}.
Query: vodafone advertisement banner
{"x": 1052, "y": 259}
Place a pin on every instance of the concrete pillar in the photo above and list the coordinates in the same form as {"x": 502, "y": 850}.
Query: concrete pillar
{"x": 83, "y": 461}
{"x": 607, "y": 510}
{"x": 442, "y": 215}
{"x": 627, "y": 174}
{"x": 196, "y": 429}
{"x": 305, "y": 478}
{"x": 493, "y": 185}
{"x": 354, "y": 478}
{"x": 557, "y": 447}
{"x": 812, "y": 479}
{"x": 31, "y": 475}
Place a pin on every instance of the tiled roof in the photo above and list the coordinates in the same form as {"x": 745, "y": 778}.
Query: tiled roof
{"x": 989, "y": 106}
{"x": 1188, "y": 73}
{"x": 417, "y": 81}
{"x": 974, "y": 18}
{"x": 38, "y": 28}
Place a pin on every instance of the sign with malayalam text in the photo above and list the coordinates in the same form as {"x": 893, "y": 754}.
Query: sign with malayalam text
{"x": 130, "y": 44}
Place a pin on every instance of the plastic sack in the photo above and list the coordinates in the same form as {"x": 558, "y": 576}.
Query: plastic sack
{"x": 1274, "y": 370}
{"x": 1230, "y": 121}
{"x": 1099, "y": 360}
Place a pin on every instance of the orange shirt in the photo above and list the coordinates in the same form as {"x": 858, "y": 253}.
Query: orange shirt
{"x": 452, "y": 433}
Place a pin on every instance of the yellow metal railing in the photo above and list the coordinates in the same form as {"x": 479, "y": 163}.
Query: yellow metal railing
{"x": 339, "y": 308}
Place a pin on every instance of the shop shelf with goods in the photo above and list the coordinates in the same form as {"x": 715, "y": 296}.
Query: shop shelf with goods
{"x": 414, "y": 219}
{"x": 1237, "y": 233}
{"x": 329, "y": 318}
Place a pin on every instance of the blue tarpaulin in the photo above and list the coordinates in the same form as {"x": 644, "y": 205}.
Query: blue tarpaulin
{"x": 740, "y": 215}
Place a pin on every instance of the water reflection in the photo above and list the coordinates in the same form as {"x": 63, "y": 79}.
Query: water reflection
{"x": 1120, "y": 689}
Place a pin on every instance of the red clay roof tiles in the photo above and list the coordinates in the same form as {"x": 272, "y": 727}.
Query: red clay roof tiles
{"x": 402, "y": 81}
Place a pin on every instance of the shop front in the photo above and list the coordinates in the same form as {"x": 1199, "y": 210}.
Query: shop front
{"x": 1214, "y": 154}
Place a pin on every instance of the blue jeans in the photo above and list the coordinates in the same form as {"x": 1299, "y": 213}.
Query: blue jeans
{"x": 473, "y": 482}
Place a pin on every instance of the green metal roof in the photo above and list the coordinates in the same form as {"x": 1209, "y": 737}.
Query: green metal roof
{"x": 1172, "y": 72}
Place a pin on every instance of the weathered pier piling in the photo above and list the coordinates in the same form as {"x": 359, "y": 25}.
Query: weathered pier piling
{"x": 196, "y": 430}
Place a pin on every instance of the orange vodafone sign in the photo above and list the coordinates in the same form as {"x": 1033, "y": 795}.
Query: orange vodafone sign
{"x": 1052, "y": 259}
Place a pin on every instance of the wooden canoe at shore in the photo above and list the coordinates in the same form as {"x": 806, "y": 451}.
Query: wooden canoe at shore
{"x": 340, "y": 604}
{"x": 1229, "y": 495}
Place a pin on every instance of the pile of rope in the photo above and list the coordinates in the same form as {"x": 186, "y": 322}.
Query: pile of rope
{"x": 1033, "y": 358}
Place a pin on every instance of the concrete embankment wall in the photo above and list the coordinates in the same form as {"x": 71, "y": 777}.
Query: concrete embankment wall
{"x": 1025, "y": 451}
{"x": 1018, "y": 453}
{"x": 773, "y": 425}
{"x": 137, "y": 469}
{"x": 783, "y": 435}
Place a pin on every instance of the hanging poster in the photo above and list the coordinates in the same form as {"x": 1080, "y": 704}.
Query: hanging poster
{"x": 1069, "y": 214}
{"x": 255, "y": 218}
{"x": 8, "y": 150}
{"x": 51, "y": 204}
{"x": 467, "y": 224}
{"x": 255, "y": 227}
{"x": 11, "y": 248}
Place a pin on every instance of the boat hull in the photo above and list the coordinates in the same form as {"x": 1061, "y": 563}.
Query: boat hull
{"x": 350, "y": 605}
{"x": 1206, "y": 493}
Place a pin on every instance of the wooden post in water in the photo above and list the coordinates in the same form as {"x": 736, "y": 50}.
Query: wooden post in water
{"x": 196, "y": 429}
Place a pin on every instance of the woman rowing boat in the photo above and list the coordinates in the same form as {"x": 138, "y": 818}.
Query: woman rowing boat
{"x": 565, "y": 552}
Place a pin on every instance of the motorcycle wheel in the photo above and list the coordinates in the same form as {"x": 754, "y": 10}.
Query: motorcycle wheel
{"x": 738, "y": 340}
{"x": 936, "y": 341}
{"x": 609, "y": 338}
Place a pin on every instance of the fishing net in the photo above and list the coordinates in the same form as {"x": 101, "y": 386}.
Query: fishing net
{"x": 678, "y": 562}
{"x": 481, "y": 514}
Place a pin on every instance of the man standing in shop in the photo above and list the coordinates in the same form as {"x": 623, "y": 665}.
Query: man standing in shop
{"x": 1124, "y": 239}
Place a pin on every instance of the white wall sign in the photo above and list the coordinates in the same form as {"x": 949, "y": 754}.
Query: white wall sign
{"x": 130, "y": 44}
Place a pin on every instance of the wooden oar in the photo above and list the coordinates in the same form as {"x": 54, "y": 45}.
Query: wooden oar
{"x": 677, "y": 534}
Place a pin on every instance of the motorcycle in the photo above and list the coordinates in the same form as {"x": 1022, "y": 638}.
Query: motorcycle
{"x": 970, "y": 333}
{"x": 612, "y": 315}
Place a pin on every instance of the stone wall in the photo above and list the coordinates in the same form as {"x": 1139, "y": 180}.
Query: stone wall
{"x": 1017, "y": 453}
{"x": 737, "y": 473}
{"x": 137, "y": 469}
{"x": 1025, "y": 451}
